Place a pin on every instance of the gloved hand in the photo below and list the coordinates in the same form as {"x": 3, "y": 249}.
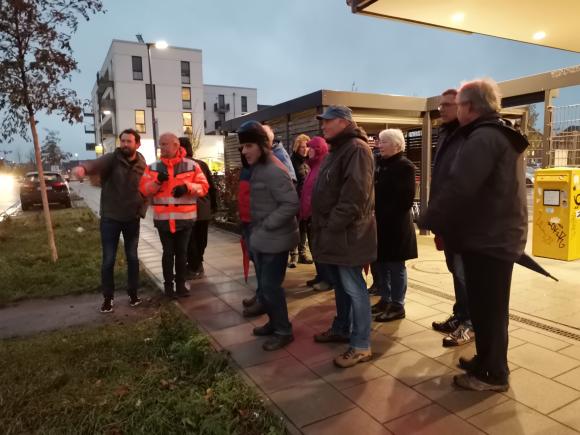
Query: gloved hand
{"x": 179, "y": 190}
{"x": 162, "y": 177}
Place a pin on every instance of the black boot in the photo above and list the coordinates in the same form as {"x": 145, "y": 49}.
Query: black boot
{"x": 393, "y": 312}
{"x": 169, "y": 290}
{"x": 277, "y": 342}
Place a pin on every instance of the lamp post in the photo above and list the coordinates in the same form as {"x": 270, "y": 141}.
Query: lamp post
{"x": 161, "y": 45}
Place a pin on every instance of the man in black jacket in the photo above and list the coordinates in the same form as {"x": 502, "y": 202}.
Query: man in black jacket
{"x": 481, "y": 212}
{"x": 122, "y": 207}
{"x": 458, "y": 326}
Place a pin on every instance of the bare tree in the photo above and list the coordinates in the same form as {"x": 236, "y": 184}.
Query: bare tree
{"x": 35, "y": 59}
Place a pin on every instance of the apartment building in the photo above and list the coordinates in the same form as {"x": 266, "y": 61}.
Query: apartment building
{"x": 222, "y": 103}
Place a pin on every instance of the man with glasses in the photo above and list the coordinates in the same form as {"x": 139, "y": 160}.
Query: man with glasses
{"x": 458, "y": 326}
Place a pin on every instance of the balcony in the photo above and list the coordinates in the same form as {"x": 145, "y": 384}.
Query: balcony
{"x": 103, "y": 83}
{"x": 107, "y": 105}
{"x": 221, "y": 108}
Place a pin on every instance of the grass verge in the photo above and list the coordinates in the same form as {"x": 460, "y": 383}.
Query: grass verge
{"x": 155, "y": 376}
{"x": 25, "y": 265}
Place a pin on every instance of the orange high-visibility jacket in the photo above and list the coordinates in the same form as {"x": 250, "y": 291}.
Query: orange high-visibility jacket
{"x": 168, "y": 210}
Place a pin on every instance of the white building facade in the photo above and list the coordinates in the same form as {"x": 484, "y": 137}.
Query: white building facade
{"x": 121, "y": 97}
{"x": 222, "y": 103}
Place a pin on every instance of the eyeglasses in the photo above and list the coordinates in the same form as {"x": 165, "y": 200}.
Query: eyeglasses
{"x": 446, "y": 105}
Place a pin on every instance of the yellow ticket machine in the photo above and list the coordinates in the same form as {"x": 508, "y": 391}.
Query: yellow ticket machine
{"x": 556, "y": 232}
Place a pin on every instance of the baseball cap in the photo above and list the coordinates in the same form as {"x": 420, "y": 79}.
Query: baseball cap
{"x": 333, "y": 112}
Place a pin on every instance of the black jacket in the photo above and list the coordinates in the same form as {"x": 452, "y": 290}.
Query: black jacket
{"x": 482, "y": 206}
{"x": 446, "y": 151}
{"x": 301, "y": 169}
{"x": 120, "y": 196}
{"x": 394, "y": 195}
{"x": 206, "y": 205}
{"x": 343, "y": 222}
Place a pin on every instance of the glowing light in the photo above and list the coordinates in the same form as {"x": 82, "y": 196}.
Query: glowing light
{"x": 6, "y": 182}
{"x": 538, "y": 36}
{"x": 458, "y": 17}
{"x": 161, "y": 45}
{"x": 106, "y": 112}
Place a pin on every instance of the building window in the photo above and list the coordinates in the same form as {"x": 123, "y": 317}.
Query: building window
{"x": 140, "y": 121}
{"x": 218, "y": 125}
{"x": 187, "y": 123}
{"x": 148, "y": 96}
{"x": 137, "y": 67}
{"x": 204, "y": 123}
{"x": 204, "y": 105}
{"x": 185, "y": 75}
{"x": 221, "y": 100}
{"x": 186, "y": 97}
{"x": 244, "y": 104}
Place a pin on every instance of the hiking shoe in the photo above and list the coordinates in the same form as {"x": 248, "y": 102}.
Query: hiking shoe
{"x": 447, "y": 326}
{"x": 107, "y": 306}
{"x": 462, "y": 335}
{"x": 262, "y": 331}
{"x": 470, "y": 382}
{"x": 303, "y": 259}
{"x": 311, "y": 282}
{"x": 248, "y": 302}
{"x": 380, "y": 307}
{"x": 322, "y": 286}
{"x": 277, "y": 342}
{"x": 134, "y": 301}
{"x": 292, "y": 265}
{"x": 331, "y": 337}
{"x": 393, "y": 312}
{"x": 352, "y": 357}
{"x": 255, "y": 310}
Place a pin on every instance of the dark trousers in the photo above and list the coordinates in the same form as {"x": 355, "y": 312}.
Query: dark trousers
{"x": 488, "y": 282}
{"x": 270, "y": 272}
{"x": 455, "y": 265}
{"x": 174, "y": 252}
{"x": 111, "y": 231}
{"x": 301, "y": 248}
{"x": 197, "y": 244}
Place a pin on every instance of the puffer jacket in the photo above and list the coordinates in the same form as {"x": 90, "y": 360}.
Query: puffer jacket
{"x": 170, "y": 213}
{"x": 301, "y": 170}
{"x": 274, "y": 205}
{"x": 320, "y": 147}
{"x": 343, "y": 203}
{"x": 482, "y": 206}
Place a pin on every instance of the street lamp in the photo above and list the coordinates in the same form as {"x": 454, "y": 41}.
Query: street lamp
{"x": 160, "y": 45}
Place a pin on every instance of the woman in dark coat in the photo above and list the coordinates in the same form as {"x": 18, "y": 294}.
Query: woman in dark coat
{"x": 397, "y": 241}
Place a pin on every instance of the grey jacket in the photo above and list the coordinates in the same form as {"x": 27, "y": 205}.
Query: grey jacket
{"x": 274, "y": 205}
{"x": 344, "y": 229}
{"x": 481, "y": 207}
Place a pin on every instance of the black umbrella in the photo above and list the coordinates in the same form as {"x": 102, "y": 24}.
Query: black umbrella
{"x": 527, "y": 261}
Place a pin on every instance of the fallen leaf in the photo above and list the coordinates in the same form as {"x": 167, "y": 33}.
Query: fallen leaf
{"x": 121, "y": 391}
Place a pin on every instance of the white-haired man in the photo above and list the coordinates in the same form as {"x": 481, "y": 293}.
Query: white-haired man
{"x": 481, "y": 212}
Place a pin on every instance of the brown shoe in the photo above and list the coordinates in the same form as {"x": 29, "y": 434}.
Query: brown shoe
{"x": 331, "y": 337}
{"x": 248, "y": 302}
{"x": 352, "y": 357}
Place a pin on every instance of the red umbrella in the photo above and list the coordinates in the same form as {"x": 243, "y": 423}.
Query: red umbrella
{"x": 366, "y": 269}
{"x": 245, "y": 258}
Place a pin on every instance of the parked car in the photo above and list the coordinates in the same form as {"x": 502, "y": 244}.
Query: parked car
{"x": 57, "y": 190}
{"x": 530, "y": 176}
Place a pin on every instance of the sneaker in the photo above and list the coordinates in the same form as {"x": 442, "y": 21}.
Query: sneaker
{"x": 134, "y": 301}
{"x": 311, "y": 282}
{"x": 255, "y": 310}
{"x": 303, "y": 259}
{"x": 394, "y": 312}
{"x": 379, "y": 307}
{"x": 322, "y": 286}
{"x": 470, "y": 382}
{"x": 331, "y": 337}
{"x": 248, "y": 302}
{"x": 352, "y": 357}
{"x": 277, "y": 342}
{"x": 447, "y": 326}
{"x": 107, "y": 306}
{"x": 462, "y": 335}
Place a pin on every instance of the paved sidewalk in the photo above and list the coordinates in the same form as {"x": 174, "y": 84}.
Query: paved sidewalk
{"x": 407, "y": 387}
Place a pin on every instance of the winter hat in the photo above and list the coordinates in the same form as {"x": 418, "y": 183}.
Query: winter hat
{"x": 320, "y": 147}
{"x": 253, "y": 132}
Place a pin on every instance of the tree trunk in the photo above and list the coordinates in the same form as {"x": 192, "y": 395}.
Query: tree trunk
{"x": 43, "y": 195}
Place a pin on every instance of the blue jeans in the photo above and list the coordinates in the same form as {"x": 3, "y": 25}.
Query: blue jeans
{"x": 353, "y": 307}
{"x": 111, "y": 231}
{"x": 455, "y": 266}
{"x": 270, "y": 273}
{"x": 392, "y": 281}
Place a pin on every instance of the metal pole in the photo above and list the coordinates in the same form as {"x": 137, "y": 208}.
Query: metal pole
{"x": 153, "y": 102}
{"x": 425, "y": 163}
{"x": 547, "y": 157}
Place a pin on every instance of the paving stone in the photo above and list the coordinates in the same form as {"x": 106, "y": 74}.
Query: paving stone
{"x": 569, "y": 415}
{"x": 350, "y": 422}
{"x": 542, "y": 361}
{"x": 411, "y": 367}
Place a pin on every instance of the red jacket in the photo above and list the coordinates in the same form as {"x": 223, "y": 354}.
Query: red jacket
{"x": 170, "y": 213}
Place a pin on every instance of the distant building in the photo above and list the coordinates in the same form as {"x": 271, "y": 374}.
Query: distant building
{"x": 222, "y": 103}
